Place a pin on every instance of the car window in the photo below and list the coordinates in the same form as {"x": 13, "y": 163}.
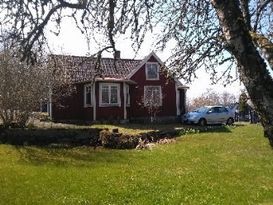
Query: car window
{"x": 213, "y": 110}
{"x": 200, "y": 110}
{"x": 223, "y": 109}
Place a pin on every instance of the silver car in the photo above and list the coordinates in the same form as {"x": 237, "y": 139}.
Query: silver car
{"x": 210, "y": 115}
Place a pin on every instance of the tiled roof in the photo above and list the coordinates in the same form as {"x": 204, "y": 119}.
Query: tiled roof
{"x": 82, "y": 69}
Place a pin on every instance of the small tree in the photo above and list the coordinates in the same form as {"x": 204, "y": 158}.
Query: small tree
{"x": 227, "y": 98}
{"x": 23, "y": 86}
{"x": 211, "y": 97}
{"x": 152, "y": 102}
{"x": 243, "y": 106}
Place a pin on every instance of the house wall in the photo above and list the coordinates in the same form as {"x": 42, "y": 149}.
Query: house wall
{"x": 137, "y": 110}
{"x": 71, "y": 107}
{"x": 109, "y": 113}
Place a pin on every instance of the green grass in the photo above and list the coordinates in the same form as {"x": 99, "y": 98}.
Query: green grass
{"x": 230, "y": 167}
{"x": 127, "y": 128}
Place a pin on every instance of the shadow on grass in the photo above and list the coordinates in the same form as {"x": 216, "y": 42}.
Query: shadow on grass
{"x": 173, "y": 126}
{"x": 214, "y": 128}
{"x": 78, "y": 157}
{"x": 177, "y": 126}
{"x": 240, "y": 124}
{"x": 86, "y": 156}
{"x": 146, "y": 126}
{"x": 45, "y": 137}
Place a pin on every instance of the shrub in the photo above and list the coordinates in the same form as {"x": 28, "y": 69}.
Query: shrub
{"x": 128, "y": 142}
{"x": 108, "y": 139}
{"x": 115, "y": 140}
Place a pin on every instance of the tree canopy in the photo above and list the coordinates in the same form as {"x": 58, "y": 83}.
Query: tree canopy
{"x": 200, "y": 42}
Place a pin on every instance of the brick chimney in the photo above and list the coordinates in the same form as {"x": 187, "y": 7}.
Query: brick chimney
{"x": 117, "y": 55}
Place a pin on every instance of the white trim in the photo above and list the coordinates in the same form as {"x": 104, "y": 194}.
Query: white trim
{"x": 129, "y": 99}
{"x": 94, "y": 101}
{"x": 143, "y": 62}
{"x": 124, "y": 101}
{"x": 185, "y": 100}
{"x": 118, "y": 95}
{"x": 177, "y": 95}
{"x": 115, "y": 80}
{"x": 146, "y": 70}
{"x": 50, "y": 104}
{"x": 160, "y": 93}
{"x": 84, "y": 97}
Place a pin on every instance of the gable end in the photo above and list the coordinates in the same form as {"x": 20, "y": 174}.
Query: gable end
{"x": 143, "y": 62}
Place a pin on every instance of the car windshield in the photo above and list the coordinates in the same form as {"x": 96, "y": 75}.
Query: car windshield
{"x": 201, "y": 109}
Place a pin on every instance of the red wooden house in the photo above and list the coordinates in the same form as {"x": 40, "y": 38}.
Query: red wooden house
{"x": 119, "y": 89}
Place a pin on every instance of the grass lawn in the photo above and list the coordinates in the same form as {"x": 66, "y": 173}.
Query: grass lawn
{"x": 234, "y": 166}
{"x": 123, "y": 128}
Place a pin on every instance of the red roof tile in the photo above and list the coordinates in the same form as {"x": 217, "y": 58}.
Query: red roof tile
{"x": 82, "y": 69}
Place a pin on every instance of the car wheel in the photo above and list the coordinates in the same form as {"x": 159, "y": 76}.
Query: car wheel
{"x": 230, "y": 121}
{"x": 202, "y": 122}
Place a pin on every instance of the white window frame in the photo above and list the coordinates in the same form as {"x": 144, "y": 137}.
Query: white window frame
{"x": 127, "y": 93}
{"x": 152, "y": 86}
{"x": 109, "y": 94}
{"x": 146, "y": 70}
{"x": 91, "y": 95}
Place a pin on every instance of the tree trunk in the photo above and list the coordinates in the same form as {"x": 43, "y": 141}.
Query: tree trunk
{"x": 266, "y": 47}
{"x": 252, "y": 68}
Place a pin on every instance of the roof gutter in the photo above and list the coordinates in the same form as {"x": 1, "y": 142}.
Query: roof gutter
{"x": 113, "y": 80}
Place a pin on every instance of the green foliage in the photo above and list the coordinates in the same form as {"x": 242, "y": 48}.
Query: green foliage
{"x": 243, "y": 107}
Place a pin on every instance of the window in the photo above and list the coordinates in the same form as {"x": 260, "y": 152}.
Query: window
{"x": 152, "y": 71}
{"x": 109, "y": 94}
{"x": 218, "y": 110}
{"x": 214, "y": 110}
{"x": 223, "y": 109}
{"x": 44, "y": 106}
{"x": 152, "y": 96}
{"x": 87, "y": 95}
{"x": 127, "y": 91}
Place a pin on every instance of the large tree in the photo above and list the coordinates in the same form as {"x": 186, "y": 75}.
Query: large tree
{"x": 237, "y": 26}
{"x": 208, "y": 34}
